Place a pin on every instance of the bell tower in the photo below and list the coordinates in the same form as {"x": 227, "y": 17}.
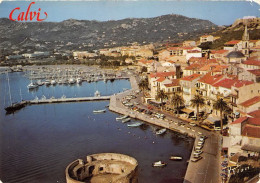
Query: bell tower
{"x": 245, "y": 42}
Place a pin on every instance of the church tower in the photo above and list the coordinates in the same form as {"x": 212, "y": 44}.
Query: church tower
{"x": 245, "y": 42}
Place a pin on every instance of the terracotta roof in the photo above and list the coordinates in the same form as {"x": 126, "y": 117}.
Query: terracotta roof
{"x": 181, "y": 48}
{"x": 219, "y": 68}
{"x": 255, "y": 114}
{"x": 251, "y": 131}
{"x": 251, "y": 101}
{"x": 225, "y": 83}
{"x": 175, "y": 82}
{"x": 160, "y": 79}
{"x": 191, "y": 77}
{"x": 194, "y": 51}
{"x": 195, "y": 66}
{"x": 241, "y": 83}
{"x": 162, "y": 74}
{"x": 253, "y": 41}
{"x": 239, "y": 120}
{"x": 233, "y": 42}
{"x": 208, "y": 79}
{"x": 208, "y": 67}
{"x": 252, "y": 62}
{"x": 219, "y": 51}
{"x": 255, "y": 72}
{"x": 202, "y": 60}
{"x": 254, "y": 121}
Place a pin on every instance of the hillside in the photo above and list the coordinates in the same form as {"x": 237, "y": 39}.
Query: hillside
{"x": 84, "y": 34}
{"x": 235, "y": 32}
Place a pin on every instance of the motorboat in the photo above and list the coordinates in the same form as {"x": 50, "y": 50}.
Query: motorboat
{"x": 97, "y": 94}
{"x": 72, "y": 81}
{"x": 176, "y": 158}
{"x": 79, "y": 80}
{"x": 126, "y": 120}
{"x": 99, "y": 111}
{"x": 161, "y": 131}
{"x": 122, "y": 117}
{"x": 47, "y": 82}
{"x": 159, "y": 164}
{"x": 53, "y": 82}
{"x": 32, "y": 85}
{"x": 40, "y": 83}
{"x": 136, "y": 124}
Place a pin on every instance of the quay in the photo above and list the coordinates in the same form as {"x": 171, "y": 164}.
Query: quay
{"x": 206, "y": 170}
{"x": 63, "y": 100}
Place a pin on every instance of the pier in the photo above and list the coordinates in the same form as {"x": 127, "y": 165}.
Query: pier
{"x": 63, "y": 100}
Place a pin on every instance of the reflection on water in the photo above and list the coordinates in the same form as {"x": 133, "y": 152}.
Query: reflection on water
{"x": 39, "y": 141}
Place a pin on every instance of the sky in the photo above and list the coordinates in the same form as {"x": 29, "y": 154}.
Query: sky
{"x": 218, "y": 12}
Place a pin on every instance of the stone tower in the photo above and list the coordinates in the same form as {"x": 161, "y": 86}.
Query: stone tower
{"x": 245, "y": 43}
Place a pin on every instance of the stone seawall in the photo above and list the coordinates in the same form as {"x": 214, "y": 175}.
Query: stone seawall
{"x": 103, "y": 167}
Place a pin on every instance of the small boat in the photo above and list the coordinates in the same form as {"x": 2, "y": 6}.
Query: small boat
{"x": 122, "y": 117}
{"x": 99, "y": 111}
{"x": 32, "y": 85}
{"x": 39, "y": 83}
{"x": 79, "y": 80}
{"x": 159, "y": 164}
{"x": 161, "y": 131}
{"x": 97, "y": 94}
{"x": 15, "y": 106}
{"x": 47, "y": 82}
{"x": 126, "y": 120}
{"x": 177, "y": 158}
{"x": 53, "y": 82}
{"x": 136, "y": 124}
{"x": 72, "y": 81}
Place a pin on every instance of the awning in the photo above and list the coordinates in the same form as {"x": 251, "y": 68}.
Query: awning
{"x": 252, "y": 148}
{"x": 187, "y": 111}
{"x": 212, "y": 119}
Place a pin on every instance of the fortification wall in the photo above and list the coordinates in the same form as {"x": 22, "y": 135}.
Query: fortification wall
{"x": 116, "y": 168}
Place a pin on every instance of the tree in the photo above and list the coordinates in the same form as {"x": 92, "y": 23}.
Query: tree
{"x": 177, "y": 101}
{"x": 143, "y": 85}
{"x": 198, "y": 101}
{"x": 161, "y": 95}
{"x": 221, "y": 106}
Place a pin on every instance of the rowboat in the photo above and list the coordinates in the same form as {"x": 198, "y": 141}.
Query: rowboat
{"x": 161, "y": 131}
{"x": 136, "y": 124}
{"x": 99, "y": 111}
{"x": 126, "y": 120}
{"x": 122, "y": 117}
{"x": 159, "y": 164}
{"x": 177, "y": 158}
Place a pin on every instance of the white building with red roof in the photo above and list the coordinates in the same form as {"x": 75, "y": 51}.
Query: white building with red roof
{"x": 250, "y": 105}
{"x": 244, "y": 136}
{"x": 188, "y": 86}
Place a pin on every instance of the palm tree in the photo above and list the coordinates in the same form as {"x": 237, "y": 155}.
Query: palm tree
{"x": 143, "y": 84}
{"x": 198, "y": 101}
{"x": 177, "y": 101}
{"x": 221, "y": 106}
{"x": 161, "y": 95}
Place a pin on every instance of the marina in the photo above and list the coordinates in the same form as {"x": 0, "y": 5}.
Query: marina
{"x": 63, "y": 132}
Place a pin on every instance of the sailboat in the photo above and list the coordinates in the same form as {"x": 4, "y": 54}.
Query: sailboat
{"x": 13, "y": 106}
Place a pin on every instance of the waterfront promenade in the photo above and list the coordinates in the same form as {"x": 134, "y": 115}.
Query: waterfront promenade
{"x": 203, "y": 171}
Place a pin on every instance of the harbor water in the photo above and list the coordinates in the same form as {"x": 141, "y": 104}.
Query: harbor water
{"x": 39, "y": 141}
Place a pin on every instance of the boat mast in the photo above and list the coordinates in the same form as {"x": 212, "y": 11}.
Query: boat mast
{"x": 9, "y": 89}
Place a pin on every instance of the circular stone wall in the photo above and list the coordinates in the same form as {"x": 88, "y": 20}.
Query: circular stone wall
{"x": 104, "y": 167}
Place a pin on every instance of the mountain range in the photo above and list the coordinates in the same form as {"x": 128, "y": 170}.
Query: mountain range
{"x": 88, "y": 35}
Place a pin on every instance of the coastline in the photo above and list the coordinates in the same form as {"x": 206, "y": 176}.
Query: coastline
{"x": 194, "y": 172}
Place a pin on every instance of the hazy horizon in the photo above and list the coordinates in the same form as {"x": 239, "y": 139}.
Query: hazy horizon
{"x": 218, "y": 12}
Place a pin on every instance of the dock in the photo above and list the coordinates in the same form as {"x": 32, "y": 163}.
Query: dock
{"x": 64, "y": 100}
